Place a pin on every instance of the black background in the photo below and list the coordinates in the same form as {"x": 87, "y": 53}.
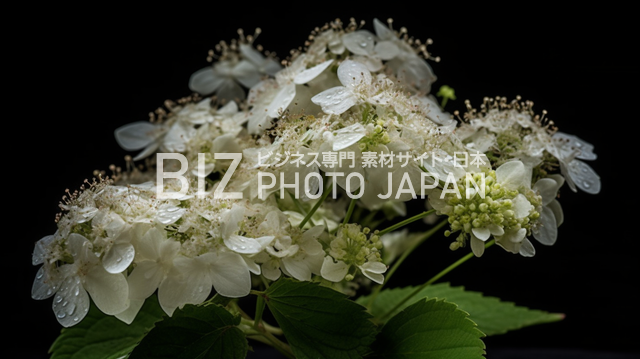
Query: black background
{"x": 82, "y": 74}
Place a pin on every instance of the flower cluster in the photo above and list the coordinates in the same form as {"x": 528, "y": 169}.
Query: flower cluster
{"x": 349, "y": 92}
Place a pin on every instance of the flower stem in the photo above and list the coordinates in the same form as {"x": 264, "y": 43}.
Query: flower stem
{"x": 313, "y": 210}
{"x": 259, "y": 310}
{"x": 352, "y": 205}
{"x": 405, "y": 222}
{"x": 260, "y": 334}
{"x": 405, "y": 254}
{"x": 433, "y": 279}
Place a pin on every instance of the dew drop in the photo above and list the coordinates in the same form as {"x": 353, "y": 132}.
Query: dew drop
{"x": 58, "y": 299}
{"x": 586, "y": 184}
{"x": 65, "y": 303}
{"x": 243, "y": 247}
{"x": 76, "y": 292}
{"x": 75, "y": 319}
{"x": 39, "y": 275}
{"x": 61, "y": 315}
{"x": 49, "y": 291}
{"x": 119, "y": 259}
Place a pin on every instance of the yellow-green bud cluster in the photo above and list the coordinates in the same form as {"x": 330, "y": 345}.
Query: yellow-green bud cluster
{"x": 379, "y": 136}
{"x": 355, "y": 245}
{"x": 496, "y": 208}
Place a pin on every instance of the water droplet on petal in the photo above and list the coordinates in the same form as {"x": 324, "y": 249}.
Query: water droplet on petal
{"x": 586, "y": 184}
{"x": 58, "y": 299}
{"x": 39, "y": 275}
{"x": 62, "y": 315}
{"x": 243, "y": 247}
{"x": 65, "y": 303}
{"x": 75, "y": 319}
{"x": 119, "y": 259}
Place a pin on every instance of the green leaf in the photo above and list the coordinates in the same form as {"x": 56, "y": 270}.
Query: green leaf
{"x": 207, "y": 331}
{"x": 101, "y": 336}
{"x": 319, "y": 322}
{"x": 430, "y": 329}
{"x": 492, "y": 315}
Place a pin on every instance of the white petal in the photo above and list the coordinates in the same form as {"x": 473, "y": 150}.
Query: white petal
{"x": 71, "y": 303}
{"x": 518, "y": 236}
{"x": 110, "y": 292}
{"x": 44, "y": 286}
{"x": 547, "y": 188}
{"x": 333, "y": 271}
{"x": 298, "y": 269}
{"x": 230, "y": 91}
{"x": 251, "y": 54}
{"x": 252, "y": 265}
{"x": 247, "y": 73}
{"x": 495, "y": 229}
{"x": 311, "y": 246}
{"x": 310, "y": 74}
{"x": 229, "y": 274}
{"x": 438, "y": 203}
{"x": 282, "y": 100}
{"x": 130, "y": 313}
{"x": 416, "y": 72}
{"x": 204, "y": 81}
{"x": 584, "y": 176}
{"x": 477, "y": 246}
{"x": 527, "y": 249}
{"x": 376, "y": 277}
{"x": 40, "y": 250}
{"x": 386, "y": 50}
{"x": 335, "y": 101}
{"x": 149, "y": 150}
{"x": 383, "y": 32}
{"x": 246, "y": 245}
{"x": 188, "y": 283}
{"x": 374, "y": 267}
{"x": 512, "y": 175}
{"x": 144, "y": 280}
{"x": 271, "y": 269}
{"x": 313, "y": 233}
{"x": 352, "y": 74}
{"x": 481, "y": 233}
{"x": 521, "y": 206}
{"x": 359, "y": 42}
{"x": 347, "y": 136}
{"x": 584, "y": 148}
{"x": 137, "y": 135}
{"x": 556, "y": 208}
{"x": 169, "y": 214}
{"x": 231, "y": 219}
{"x": 547, "y": 230}
{"x": 119, "y": 257}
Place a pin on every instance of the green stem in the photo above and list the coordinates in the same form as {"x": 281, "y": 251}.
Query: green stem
{"x": 405, "y": 222}
{"x": 444, "y": 102}
{"x": 404, "y": 256}
{"x": 325, "y": 194}
{"x": 259, "y": 310}
{"x": 352, "y": 205}
{"x": 433, "y": 279}
{"x": 269, "y": 338}
{"x": 299, "y": 205}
